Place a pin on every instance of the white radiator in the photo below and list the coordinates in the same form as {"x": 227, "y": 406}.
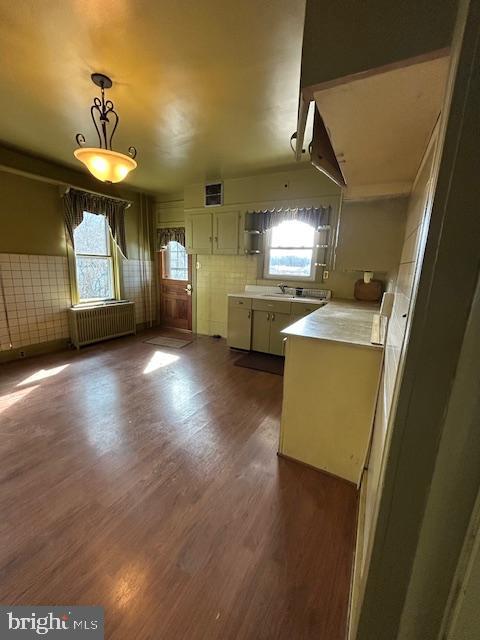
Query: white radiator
{"x": 96, "y": 323}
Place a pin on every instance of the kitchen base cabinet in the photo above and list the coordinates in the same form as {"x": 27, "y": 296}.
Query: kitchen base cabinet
{"x": 261, "y": 331}
{"x": 239, "y": 328}
{"x": 300, "y": 309}
{"x": 329, "y": 396}
{"x": 239, "y": 322}
{"x": 266, "y": 328}
{"x": 257, "y": 323}
{"x": 279, "y": 322}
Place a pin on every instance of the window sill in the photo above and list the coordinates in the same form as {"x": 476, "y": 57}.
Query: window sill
{"x": 98, "y": 303}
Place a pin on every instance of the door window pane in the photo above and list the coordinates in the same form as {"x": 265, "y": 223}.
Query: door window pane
{"x": 175, "y": 261}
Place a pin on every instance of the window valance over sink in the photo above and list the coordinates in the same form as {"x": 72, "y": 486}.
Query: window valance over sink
{"x": 261, "y": 221}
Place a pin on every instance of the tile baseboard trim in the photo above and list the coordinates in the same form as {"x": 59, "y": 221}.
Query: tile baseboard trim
{"x": 32, "y": 350}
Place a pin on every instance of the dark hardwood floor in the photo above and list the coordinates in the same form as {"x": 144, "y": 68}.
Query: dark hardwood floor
{"x": 159, "y": 496}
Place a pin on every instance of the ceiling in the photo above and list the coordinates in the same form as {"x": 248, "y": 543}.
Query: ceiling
{"x": 203, "y": 89}
{"x": 380, "y": 125}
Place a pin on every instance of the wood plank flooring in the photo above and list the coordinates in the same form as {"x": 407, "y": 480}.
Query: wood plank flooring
{"x": 146, "y": 480}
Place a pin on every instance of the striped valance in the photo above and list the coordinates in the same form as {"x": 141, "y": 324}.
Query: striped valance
{"x": 263, "y": 220}
{"x": 164, "y": 236}
{"x": 76, "y": 202}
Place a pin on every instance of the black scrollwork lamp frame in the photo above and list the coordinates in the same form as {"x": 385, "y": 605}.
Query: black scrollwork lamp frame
{"x": 104, "y": 116}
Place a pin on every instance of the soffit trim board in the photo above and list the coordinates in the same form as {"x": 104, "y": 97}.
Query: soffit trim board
{"x": 308, "y": 92}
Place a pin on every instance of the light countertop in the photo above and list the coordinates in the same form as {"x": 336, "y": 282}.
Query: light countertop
{"x": 346, "y": 321}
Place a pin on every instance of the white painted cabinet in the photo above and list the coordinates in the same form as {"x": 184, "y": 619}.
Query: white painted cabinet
{"x": 213, "y": 233}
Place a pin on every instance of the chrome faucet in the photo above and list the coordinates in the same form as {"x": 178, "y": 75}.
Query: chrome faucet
{"x": 282, "y": 287}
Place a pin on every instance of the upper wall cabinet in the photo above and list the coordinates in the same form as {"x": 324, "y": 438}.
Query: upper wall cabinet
{"x": 226, "y": 232}
{"x": 370, "y": 235}
{"x": 199, "y": 234}
{"x": 216, "y": 233}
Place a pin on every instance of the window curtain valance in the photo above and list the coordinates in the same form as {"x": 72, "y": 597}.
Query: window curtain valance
{"x": 263, "y": 220}
{"x": 164, "y": 236}
{"x": 76, "y": 202}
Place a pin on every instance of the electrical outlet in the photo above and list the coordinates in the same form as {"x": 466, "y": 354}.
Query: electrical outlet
{"x": 198, "y": 266}
{"x": 22, "y": 354}
{"x": 325, "y": 275}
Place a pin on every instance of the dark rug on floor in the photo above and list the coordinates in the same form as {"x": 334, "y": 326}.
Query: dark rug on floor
{"x": 262, "y": 362}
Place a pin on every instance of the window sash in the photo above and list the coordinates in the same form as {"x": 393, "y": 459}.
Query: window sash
{"x": 111, "y": 278}
{"x": 291, "y": 276}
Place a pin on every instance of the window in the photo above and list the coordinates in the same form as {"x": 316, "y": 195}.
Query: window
{"x": 291, "y": 251}
{"x": 93, "y": 258}
{"x": 175, "y": 261}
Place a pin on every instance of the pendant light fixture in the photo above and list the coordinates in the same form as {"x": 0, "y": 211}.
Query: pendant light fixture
{"x": 103, "y": 163}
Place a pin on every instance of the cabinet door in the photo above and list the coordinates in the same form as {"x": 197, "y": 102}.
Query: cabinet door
{"x": 278, "y": 322}
{"x": 300, "y": 309}
{"x": 199, "y": 233}
{"x": 261, "y": 331}
{"x": 239, "y": 328}
{"x": 225, "y": 227}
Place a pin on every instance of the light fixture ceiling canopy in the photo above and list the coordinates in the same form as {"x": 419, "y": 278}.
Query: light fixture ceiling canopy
{"x": 102, "y": 162}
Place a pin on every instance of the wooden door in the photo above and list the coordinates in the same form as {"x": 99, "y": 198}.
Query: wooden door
{"x": 225, "y": 228}
{"x": 261, "y": 331}
{"x": 175, "y": 287}
{"x": 199, "y": 233}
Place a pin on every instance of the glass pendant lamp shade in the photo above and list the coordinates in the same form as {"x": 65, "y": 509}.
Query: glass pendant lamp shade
{"x": 102, "y": 162}
{"x": 105, "y": 165}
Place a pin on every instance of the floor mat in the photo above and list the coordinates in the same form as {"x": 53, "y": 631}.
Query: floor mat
{"x": 163, "y": 341}
{"x": 262, "y": 362}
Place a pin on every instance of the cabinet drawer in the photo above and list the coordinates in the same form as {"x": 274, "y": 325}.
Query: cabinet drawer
{"x": 303, "y": 309}
{"x": 278, "y": 306}
{"x": 244, "y": 303}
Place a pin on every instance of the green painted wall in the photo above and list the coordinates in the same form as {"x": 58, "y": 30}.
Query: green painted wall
{"x": 30, "y": 216}
{"x": 31, "y": 209}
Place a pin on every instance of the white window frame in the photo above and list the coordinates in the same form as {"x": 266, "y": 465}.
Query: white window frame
{"x": 111, "y": 248}
{"x": 313, "y": 264}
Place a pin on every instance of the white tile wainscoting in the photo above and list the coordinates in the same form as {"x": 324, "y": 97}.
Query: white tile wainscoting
{"x": 144, "y": 297}
{"x": 36, "y": 296}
